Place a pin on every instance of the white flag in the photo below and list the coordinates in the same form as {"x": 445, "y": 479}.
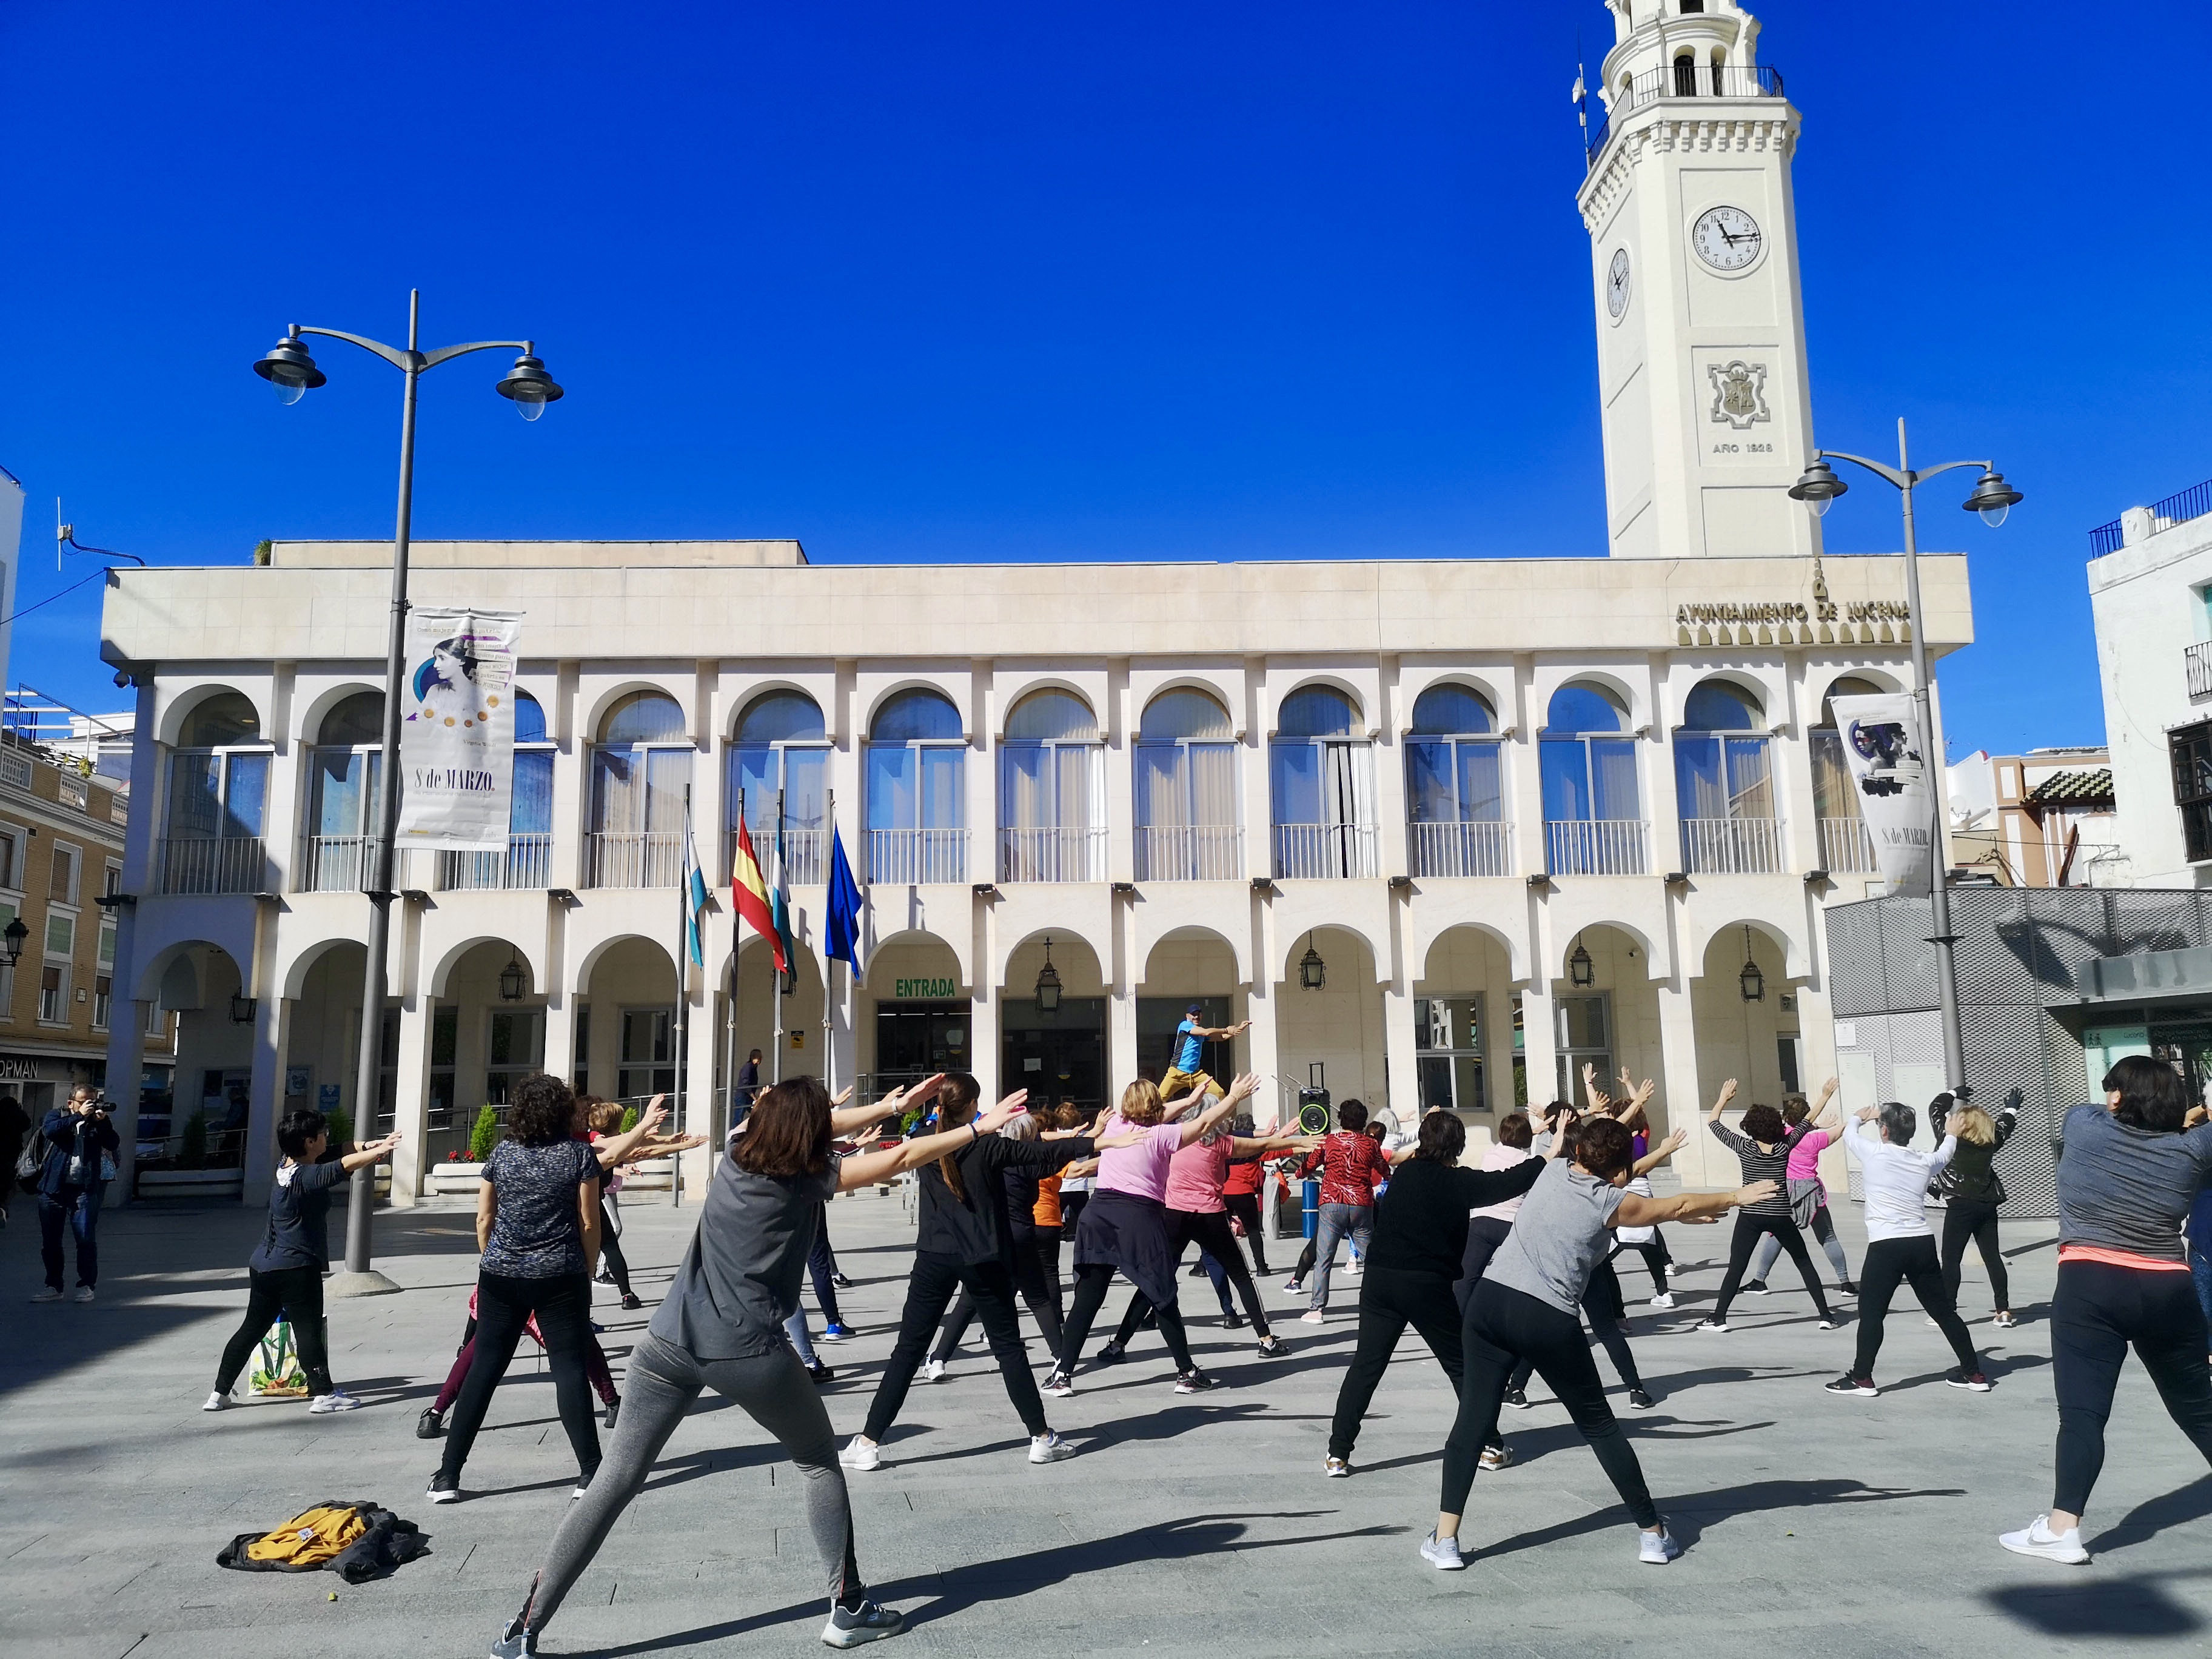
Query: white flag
{"x": 1881, "y": 746}
{"x": 1575, "y": 96}
{"x": 457, "y": 729}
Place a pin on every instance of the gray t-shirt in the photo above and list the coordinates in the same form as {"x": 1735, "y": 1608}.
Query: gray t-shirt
{"x": 2126, "y": 1189}
{"x": 739, "y": 1280}
{"x": 1558, "y": 1237}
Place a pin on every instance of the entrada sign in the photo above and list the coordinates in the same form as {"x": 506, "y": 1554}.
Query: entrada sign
{"x": 926, "y": 987}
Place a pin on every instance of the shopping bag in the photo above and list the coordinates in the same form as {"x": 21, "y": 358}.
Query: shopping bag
{"x": 278, "y": 1377}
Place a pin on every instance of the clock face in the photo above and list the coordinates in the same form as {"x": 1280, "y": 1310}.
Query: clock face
{"x": 1726, "y": 238}
{"x": 1616, "y": 284}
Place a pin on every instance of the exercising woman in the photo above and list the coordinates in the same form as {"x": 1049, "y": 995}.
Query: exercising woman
{"x": 2128, "y": 1172}
{"x": 1762, "y": 1151}
{"x": 1020, "y": 1186}
{"x": 721, "y": 1327}
{"x": 964, "y": 1242}
{"x": 1811, "y": 1132}
{"x": 1124, "y": 1227}
{"x": 1525, "y": 1307}
{"x": 1975, "y": 1193}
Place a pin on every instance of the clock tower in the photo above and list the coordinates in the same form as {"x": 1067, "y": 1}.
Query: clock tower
{"x": 1700, "y": 329}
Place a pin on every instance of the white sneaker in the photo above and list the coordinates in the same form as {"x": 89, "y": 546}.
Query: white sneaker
{"x": 1496, "y": 1458}
{"x": 2036, "y": 1538}
{"x": 83, "y": 1293}
{"x": 217, "y": 1402}
{"x": 1336, "y": 1468}
{"x": 933, "y": 1370}
{"x": 859, "y": 1455}
{"x": 1708, "y": 1325}
{"x": 1443, "y": 1554}
{"x": 47, "y": 1294}
{"x": 1664, "y": 1299}
{"x": 1313, "y": 1316}
{"x": 1353, "y": 1269}
{"x": 1049, "y": 1448}
{"x": 1658, "y": 1548}
{"x": 337, "y": 1399}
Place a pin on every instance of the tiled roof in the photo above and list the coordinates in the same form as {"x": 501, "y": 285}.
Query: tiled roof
{"x": 2086, "y": 787}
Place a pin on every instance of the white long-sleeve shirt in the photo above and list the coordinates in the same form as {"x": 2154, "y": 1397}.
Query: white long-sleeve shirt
{"x": 1896, "y": 1181}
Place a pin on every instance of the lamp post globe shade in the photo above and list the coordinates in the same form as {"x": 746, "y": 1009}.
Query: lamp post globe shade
{"x": 1817, "y": 488}
{"x": 289, "y": 370}
{"x": 529, "y": 387}
{"x": 1993, "y": 498}
{"x": 16, "y": 933}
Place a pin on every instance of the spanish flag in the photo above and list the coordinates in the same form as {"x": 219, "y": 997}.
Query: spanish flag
{"x": 750, "y": 894}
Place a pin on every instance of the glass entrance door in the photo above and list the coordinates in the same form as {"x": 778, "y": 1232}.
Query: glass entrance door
{"x": 1056, "y": 1056}
{"x": 914, "y": 1039}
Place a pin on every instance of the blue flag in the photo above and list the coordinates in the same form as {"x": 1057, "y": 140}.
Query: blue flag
{"x": 845, "y": 903}
{"x": 695, "y": 903}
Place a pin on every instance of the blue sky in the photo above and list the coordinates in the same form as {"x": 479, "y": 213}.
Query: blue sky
{"x": 978, "y": 282}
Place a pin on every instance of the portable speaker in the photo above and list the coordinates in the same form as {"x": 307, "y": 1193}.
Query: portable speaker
{"x": 1313, "y": 1103}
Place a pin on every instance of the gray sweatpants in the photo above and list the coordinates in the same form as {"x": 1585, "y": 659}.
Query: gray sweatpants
{"x": 1824, "y": 1230}
{"x": 663, "y": 1380}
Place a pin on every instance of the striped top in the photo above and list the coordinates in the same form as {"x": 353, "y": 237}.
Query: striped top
{"x": 1773, "y": 1166}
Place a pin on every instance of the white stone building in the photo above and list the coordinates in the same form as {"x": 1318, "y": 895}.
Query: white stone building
{"x": 1518, "y": 813}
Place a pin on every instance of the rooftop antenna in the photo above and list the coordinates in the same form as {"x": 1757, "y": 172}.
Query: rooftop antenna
{"x": 65, "y": 541}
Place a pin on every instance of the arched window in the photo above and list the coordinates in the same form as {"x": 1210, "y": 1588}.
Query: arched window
{"x": 1186, "y": 795}
{"x": 640, "y": 768}
{"x": 345, "y": 771}
{"x": 528, "y": 861}
{"x": 1051, "y": 791}
{"x": 1321, "y": 781}
{"x": 1592, "y": 808}
{"x": 1686, "y": 75}
{"x": 218, "y": 797}
{"x": 916, "y": 805}
{"x": 1844, "y": 843}
{"x": 779, "y": 778}
{"x": 1724, "y": 782}
{"x": 1455, "y": 787}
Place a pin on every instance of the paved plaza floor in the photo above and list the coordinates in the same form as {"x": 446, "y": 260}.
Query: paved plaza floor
{"x": 1816, "y": 1525}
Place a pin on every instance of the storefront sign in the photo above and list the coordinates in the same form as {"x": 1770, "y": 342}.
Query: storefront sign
{"x": 457, "y": 729}
{"x": 32, "y": 1068}
{"x": 933, "y": 989}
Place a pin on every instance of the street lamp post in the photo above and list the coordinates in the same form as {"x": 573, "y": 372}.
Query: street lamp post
{"x": 288, "y": 368}
{"x": 1992, "y": 499}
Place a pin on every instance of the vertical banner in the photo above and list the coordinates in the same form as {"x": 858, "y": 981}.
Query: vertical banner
{"x": 1881, "y": 746}
{"x": 457, "y": 729}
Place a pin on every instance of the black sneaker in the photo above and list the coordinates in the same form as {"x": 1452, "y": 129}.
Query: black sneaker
{"x": 1109, "y": 1353}
{"x": 630, "y": 1304}
{"x": 614, "y": 1407}
{"x": 1847, "y": 1287}
{"x": 1232, "y": 1321}
{"x": 1862, "y": 1386}
{"x": 1517, "y": 1398}
{"x": 431, "y": 1425}
{"x": 1059, "y": 1385}
{"x": 442, "y": 1490}
{"x": 1973, "y": 1381}
{"x": 1756, "y": 1287}
{"x": 1641, "y": 1399}
{"x": 841, "y": 1281}
{"x": 848, "y": 1628}
{"x": 1192, "y": 1381}
{"x": 1197, "y": 1270}
{"x": 821, "y": 1373}
{"x": 1273, "y": 1347}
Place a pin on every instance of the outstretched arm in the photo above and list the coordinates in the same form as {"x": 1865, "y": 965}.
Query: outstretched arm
{"x": 375, "y": 1152}
{"x": 1659, "y": 1154}
{"x": 1172, "y": 1110}
{"x": 1243, "y": 1090}
{"x": 620, "y": 1149}
{"x": 1720, "y": 1105}
{"x": 846, "y": 1121}
{"x": 1637, "y": 1212}
{"x": 865, "y": 1169}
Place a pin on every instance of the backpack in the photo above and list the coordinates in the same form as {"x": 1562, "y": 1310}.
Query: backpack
{"x": 33, "y": 1164}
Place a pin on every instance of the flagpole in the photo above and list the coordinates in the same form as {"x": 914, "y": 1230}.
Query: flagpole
{"x": 829, "y": 973}
{"x": 775, "y": 979}
{"x": 682, "y": 999}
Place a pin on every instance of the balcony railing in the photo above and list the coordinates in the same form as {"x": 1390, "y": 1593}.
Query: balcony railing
{"x": 527, "y": 862}
{"x": 916, "y": 857}
{"x": 1189, "y": 852}
{"x": 2196, "y": 663}
{"x": 2179, "y": 507}
{"x": 1731, "y": 846}
{"x": 1477, "y": 848}
{"x": 1324, "y": 852}
{"x": 336, "y": 864}
{"x": 805, "y": 855}
{"x": 1682, "y": 80}
{"x": 1053, "y": 854}
{"x": 634, "y": 859}
{"x": 1847, "y": 848}
{"x": 1595, "y": 846}
{"x": 233, "y": 864}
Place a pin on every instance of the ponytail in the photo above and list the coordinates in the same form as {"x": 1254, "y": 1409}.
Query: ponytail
{"x": 956, "y": 1105}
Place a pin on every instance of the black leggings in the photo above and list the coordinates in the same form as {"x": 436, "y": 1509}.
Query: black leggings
{"x": 1602, "y": 1307}
{"x": 296, "y": 1293}
{"x": 1047, "y": 1255}
{"x": 504, "y": 1304}
{"x": 1888, "y": 1263}
{"x": 2097, "y": 1313}
{"x": 936, "y": 1276}
{"x": 610, "y": 1249}
{"x": 1391, "y": 1298}
{"x": 1964, "y": 1218}
{"x": 1656, "y": 1259}
{"x": 1211, "y": 1230}
{"x": 1505, "y": 1326}
{"x": 1245, "y": 1207}
{"x": 1485, "y": 1233}
{"x": 1091, "y": 1279}
{"x": 1748, "y": 1229}
{"x": 1029, "y": 1279}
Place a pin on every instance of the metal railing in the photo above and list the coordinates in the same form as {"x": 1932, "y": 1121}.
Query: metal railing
{"x": 2193, "y": 502}
{"x": 1324, "y": 852}
{"x": 1595, "y": 847}
{"x": 527, "y": 862}
{"x": 805, "y": 855}
{"x": 1189, "y": 852}
{"x": 2196, "y": 663}
{"x": 634, "y": 859}
{"x": 232, "y": 864}
{"x": 917, "y": 857}
{"x": 335, "y": 864}
{"x": 1682, "y": 79}
{"x": 1053, "y": 854}
{"x": 1476, "y": 848}
{"x": 1847, "y": 848}
{"x": 1731, "y": 846}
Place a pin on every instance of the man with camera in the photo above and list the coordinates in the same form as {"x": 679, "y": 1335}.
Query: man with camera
{"x": 80, "y": 1162}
